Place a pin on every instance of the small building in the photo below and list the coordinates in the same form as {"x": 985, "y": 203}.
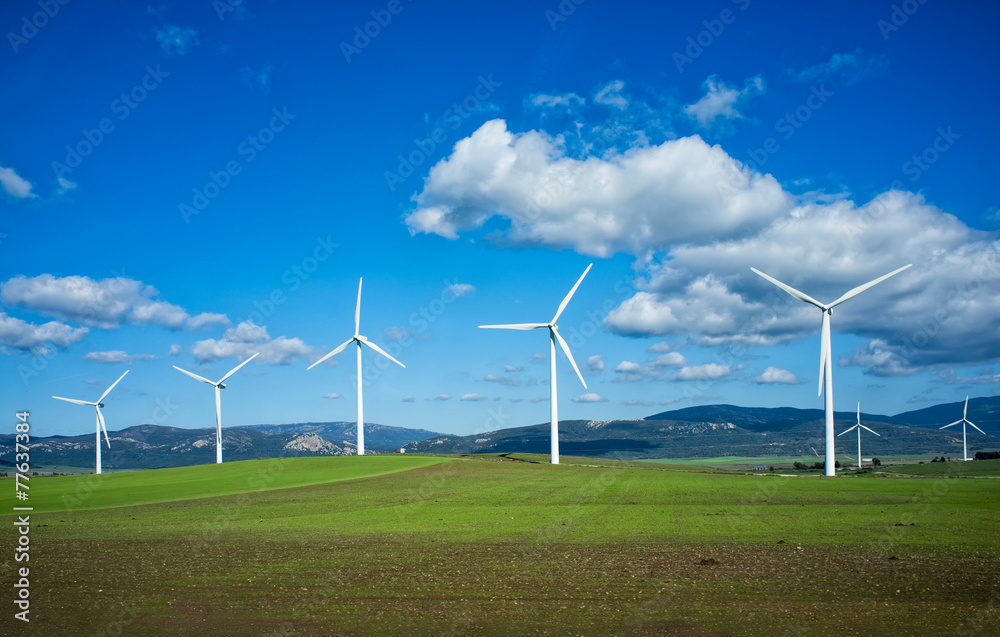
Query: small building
{"x": 401, "y": 450}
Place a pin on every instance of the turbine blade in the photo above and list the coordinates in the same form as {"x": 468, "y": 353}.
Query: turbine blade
{"x": 787, "y": 288}
{"x": 357, "y": 310}
{"x": 824, "y": 351}
{"x": 849, "y": 430}
{"x": 194, "y": 376}
{"x": 957, "y": 422}
{"x": 965, "y": 412}
{"x": 100, "y": 419}
{"x": 362, "y": 339}
{"x": 235, "y": 369}
{"x": 976, "y": 428}
{"x": 565, "y": 301}
{"x": 873, "y": 431}
{"x": 74, "y": 401}
{"x": 515, "y": 326}
{"x": 339, "y": 349}
{"x": 861, "y": 288}
{"x": 108, "y": 390}
{"x": 859, "y": 413}
{"x": 569, "y": 355}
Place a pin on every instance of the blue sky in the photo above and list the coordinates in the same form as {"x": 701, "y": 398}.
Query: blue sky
{"x": 189, "y": 183}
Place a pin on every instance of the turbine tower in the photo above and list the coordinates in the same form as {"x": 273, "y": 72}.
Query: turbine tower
{"x": 554, "y": 337}
{"x": 360, "y": 340}
{"x": 859, "y": 426}
{"x": 218, "y": 401}
{"x": 825, "y": 356}
{"x": 964, "y": 421}
{"x": 100, "y": 417}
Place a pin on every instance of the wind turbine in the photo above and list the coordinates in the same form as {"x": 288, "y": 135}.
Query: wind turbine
{"x": 554, "y": 336}
{"x": 100, "y": 417}
{"x": 218, "y": 401}
{"x": 859, "y": 427}
{"x": 964, "y": 421}
{"x": 360, "y": 340}
{"x": 825, "y": 357}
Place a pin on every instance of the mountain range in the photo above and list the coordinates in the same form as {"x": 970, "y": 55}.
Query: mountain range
{"x": 701, "y": 431}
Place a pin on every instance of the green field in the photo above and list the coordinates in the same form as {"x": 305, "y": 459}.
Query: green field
{"x": 411, "y": 545}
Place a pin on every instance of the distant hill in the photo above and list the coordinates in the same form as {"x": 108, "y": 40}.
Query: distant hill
{"x": 730, "y": 430}
{"x": 377, "y": 437}
{"x": 156, "y": 447}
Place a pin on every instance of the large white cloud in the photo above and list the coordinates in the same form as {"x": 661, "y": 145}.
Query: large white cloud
{"x": 245, "y": 340}
{"x": 108, "y": 303}
{"x": 22, "y": 335}
{"x": 645, "y": 199}
{"x": 697, "y": 220}
{"x": 15, "y": 185}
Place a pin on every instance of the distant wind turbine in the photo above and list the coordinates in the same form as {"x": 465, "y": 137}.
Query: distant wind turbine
{"x": 100, "y": 417}
{"x": 554, "y": 336}
{"x": 859, "y": 427}
{"x": 964, "y": 421}
{"x": 825, "y": 356}
{"x": 360, "y": 340}
{"x": 218, "y": 401}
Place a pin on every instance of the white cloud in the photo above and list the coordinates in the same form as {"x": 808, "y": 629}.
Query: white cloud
{"x": 462, "y": 289}
{"x": 646, "y": 199}
{"x": 634, "y": 372}
{"x": 513, "y": 368}
{"x": 15, "y": 185}
{"x": 176, "y": 40}
{"x": 65, "y": 185}
{"x": 566, "y": 100}
{"x": 108, "y": 303}
{"x": 396, "y": 333}
{"x": 540, "y": 399}
{"x": 673, "y": 359}
{"x": 595, "y": 363}
{"x": 638, "y": 403}
{"x": 848, "y": 68}
{"x": 175, "y": 350}
{"x": 206, "y": 320}
{"x": 502, "y": 380}
{"x": 659, "y": 348}
{"x": 590, "y": 398}
{"x": 245, "y": 340}
{"x": 611, "y": 95}
{"x": 473, "y": 397}
{"x": 332, "y": 396}
{"x": 776, "y": 376}
{"x": 409, "y": 399}
{"x": 708, "y": 371}
{"x": 115, "y": 356}
{"x": 246, "y": 332}
{"x": 22, "y": 335}
{"x": 721, "y": 101}
{"x": 442, "y": 397}
{"x": 538, "y": 357}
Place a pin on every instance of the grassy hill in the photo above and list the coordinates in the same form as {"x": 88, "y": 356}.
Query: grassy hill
{"x": 498, "y": 546}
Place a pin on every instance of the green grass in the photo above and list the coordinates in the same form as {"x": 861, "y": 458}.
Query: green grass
{"x": 388, "y": 545}
{"x": 131, "y": 488}
{"x": 973, "y": 468}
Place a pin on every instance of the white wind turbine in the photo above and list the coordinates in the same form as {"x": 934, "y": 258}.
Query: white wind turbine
{"x": 859, "y": 427}
{"x": 100, "y": 417}
{"x": 964, "y": 421}
{"x": 825, "y": 356}
{"x": 360, "y": 340}
{"x": 218, "y": 401}
{"x": 554, "y": 336}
